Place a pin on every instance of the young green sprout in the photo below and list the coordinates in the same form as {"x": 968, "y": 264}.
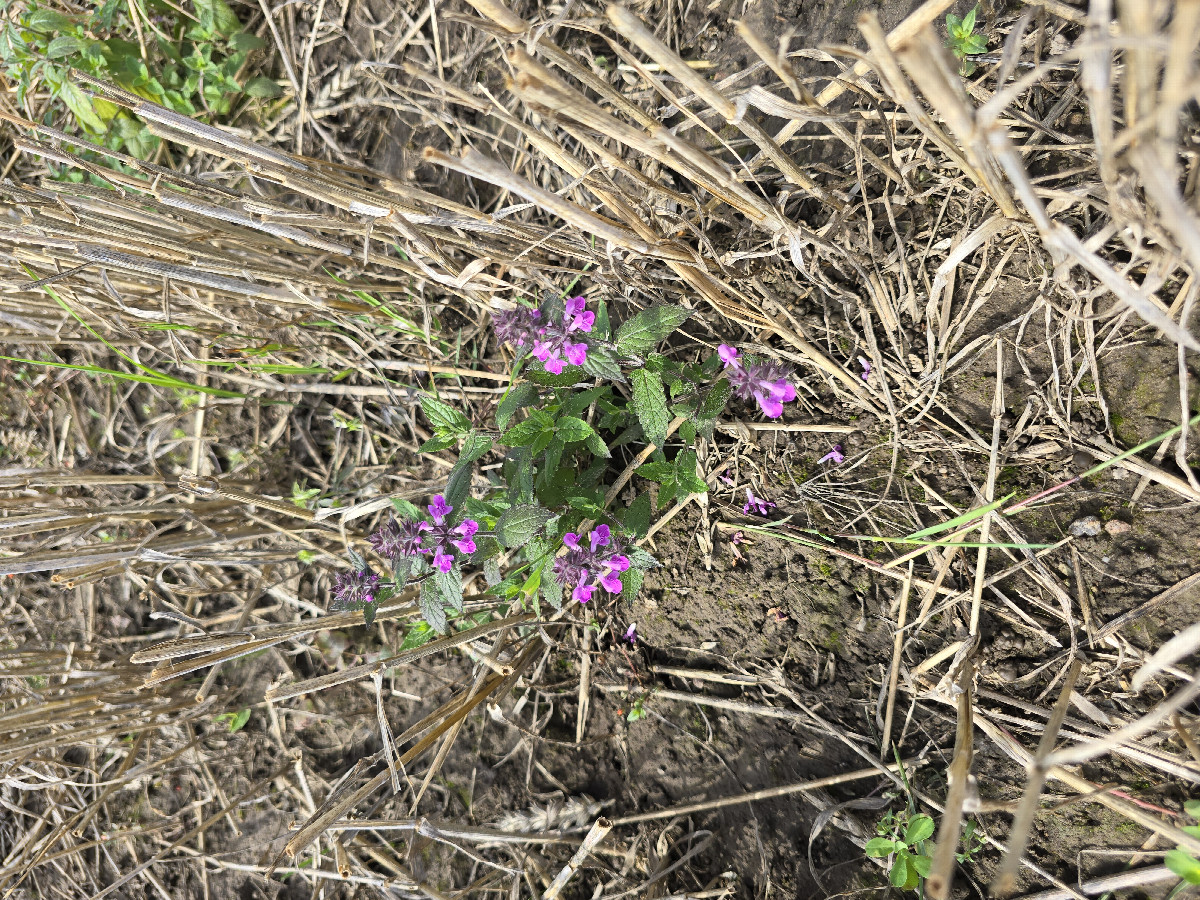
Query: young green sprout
{"x": 963, "y": 41}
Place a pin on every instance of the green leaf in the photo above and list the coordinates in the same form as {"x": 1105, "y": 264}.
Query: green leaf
{"x": 1192, "y": 808}
{"x": 650, "y": 405}
{"x": 685, "y": 474}
{"x": 919, "y": 829}
{"x": 439, "y": 442}
{"x": 631, "y": 584}
{"x": 976, "y": 43}
{"x": 601, "y": 363}
{"x": 968, "y": 22}
{"x": 636, "y": 519}
{"x": 658, "y": 471}
{"x": 406, "y": 509}
{"x": 81, "y": 105}
{"x": 572, "y": 376}
{"x": 901, "y": 873}
{"x": 518, "y": 397}
{"x": 520, "y": 523}
{"x": 239, "y": 720}
{"x": 474, "y": 447}
{"x": 449, "y": 585}
{"x": 640, "y": 559}
{"x": 553, "y": 592}
{"x": 432, "y": 607}
{"x": 262, "y": 87}
{"x": 417, "y": 636}
{"x": 458, "y": 485}
{"x": 880, "y": 847}
{"x": 523, "y": 434}
{"x": 640, "y": 334}
{"x": 64, "y": 45}
{"x": 572, "y": 429}
{"x": 596, "y": 445}
{"x": 217, "y": 17}
{"x": 959, "y": 521}
{"x": 1184, "y": 865}
{"x": 922, "y": 863}
{"x": 244, "y": 42}
{"x": 369, "y": 611}
{"x": 48, "y": 21}
{"x": 444, "y": 417}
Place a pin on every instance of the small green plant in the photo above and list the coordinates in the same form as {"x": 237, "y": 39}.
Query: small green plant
{"x": 543, "y": 531}
{"x": 902, "y": 839}
{"x": 234, "y": 721}
{"x": 637, "y": 710}
{"x": 971, "y": 842}
{"x": 963, "y": 41}
{"x": 194, "y": 64}
{"x": 1179, "y": 861}
{"x": 303, "y": 496}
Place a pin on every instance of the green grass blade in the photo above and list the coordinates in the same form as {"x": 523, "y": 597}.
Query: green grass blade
{"x": 959, "y": 521}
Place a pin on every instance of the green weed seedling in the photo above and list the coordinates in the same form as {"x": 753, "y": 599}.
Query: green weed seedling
{"x": 902, "y": 839}
{"x": 1179, "y": 861}
{"x": 194, "y": 65}
{"x": 963, "y": 41}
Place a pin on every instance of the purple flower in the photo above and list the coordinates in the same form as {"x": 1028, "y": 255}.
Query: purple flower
{"x": 866, "y": 373}
{"x": 516, "y": 326}
{"x": 549, "y": 342}
{"x": 757, "y": 504}
{"x": 445, "y": 537}
{"x": 598, "y": 564}
{"x": 399, "y": 539}
{"x": 835, "y": 456}
{"x": 767, "y": 382}
{"x": 411, "y": 538}
{"x": 352, "y": 590}
{"x": 724, "y": 476}
{"x": 631, "y": 634}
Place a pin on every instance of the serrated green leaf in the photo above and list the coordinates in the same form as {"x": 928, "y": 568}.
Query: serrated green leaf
{"x": 572, "y": 429}
{"x": 431, "y": 606}
{"x": 880, "y": 847}
{"x": 643, "y": 332}
{"x": 458, "y": 485}
{"x": 640, "y": 559}
{"x": 596, "y": 445}
{"x": 474, "y": 447}
{"x": 658, "y": 471}
{"x": 685, "y": 474}
{"x": 553, "y": 592}
{"x": 518, "y": 397}
{"x": 631, "y": 584}
{"x": 650, "y": 405}
{"x": 636, "y": 518}
{"x": 406, "y": 509}
{"x": 520, "y": 523}
{"x": 572, "y": 376}
{"x": 443, "y": 417}
{"x": 48, "y": 21}
{"x": 919, "y": 829}
{"x": 449, "y": 585}
{"x": 369, "y": 611}
{"x": 714, "y": 401}
{"x": 601, "y": 363}
{"x": 523, "y": 434}
{"x": 438, "y": 442}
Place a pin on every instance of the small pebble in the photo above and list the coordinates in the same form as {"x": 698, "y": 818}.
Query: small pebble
{"x": 1116, "y": 526}
{"x": 1088, "y": 526}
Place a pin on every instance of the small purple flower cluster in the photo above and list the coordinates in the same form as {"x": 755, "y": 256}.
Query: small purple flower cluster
{"x": 352, "y": 590}
{"x": 585, "y": 569}
{"x": 412, "y": 538}
{"x": 552, "y": 342}
{"x": 767, "y": 382}
{"x": 757, "y": 504}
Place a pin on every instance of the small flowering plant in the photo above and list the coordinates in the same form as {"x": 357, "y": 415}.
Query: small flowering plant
{"x": 540, "y": 527}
